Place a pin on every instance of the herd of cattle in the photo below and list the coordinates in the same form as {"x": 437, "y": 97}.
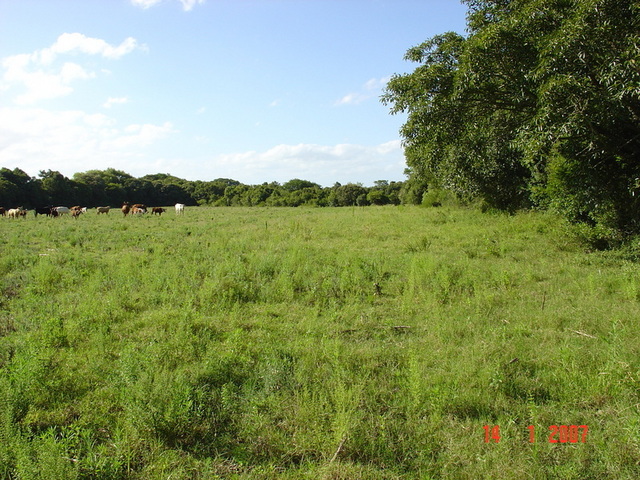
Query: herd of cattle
{"x": 75, "y": 212}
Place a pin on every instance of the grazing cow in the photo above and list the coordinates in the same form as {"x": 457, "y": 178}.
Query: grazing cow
{"x": 62, "y": 210}
{"x": 76, "y": 213}
{"x": 43, "y": 210}
{"x": 17, "y": 212}
{"x": 135, "y": 210}
{"x": 126, "y": 208}
{"x": 158, "y": 210}
{"x": 3, "y": 212}
{"x": 179, "y": 208}
{"x": 102, "y": 209}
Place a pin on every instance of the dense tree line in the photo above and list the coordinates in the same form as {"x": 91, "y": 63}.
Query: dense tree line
{"x": 539, "y": 105}
{"x": 114, "y": 187}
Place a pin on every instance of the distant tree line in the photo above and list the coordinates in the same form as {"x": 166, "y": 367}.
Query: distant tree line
{"x": 112, "y": 187}
{"x": 538, "y": 105}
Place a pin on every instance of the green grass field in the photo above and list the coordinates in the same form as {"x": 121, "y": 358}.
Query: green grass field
{"x": 352, "y": 343}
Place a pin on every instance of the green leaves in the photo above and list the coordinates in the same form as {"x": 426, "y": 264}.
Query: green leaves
{"x": 540, "y": 104}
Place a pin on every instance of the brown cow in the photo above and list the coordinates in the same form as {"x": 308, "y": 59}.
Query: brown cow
{"x": 126, "y": 208}
{"x": 102, "y": 210}
{"x": 158, "y": 210}
{"x": 135, "y": 210}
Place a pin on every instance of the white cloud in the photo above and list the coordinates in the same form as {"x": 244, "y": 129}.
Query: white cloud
{"x": 41, "y": 85}
{"x": 375, "y": 84}
{"x": 78, "y": 43}
{"x": 73, "y": 141}
{"x": 141, "y": 135}
{"x": 372, "y": 88}
{"x": 74, "y": 43}
{"x": 35, "y": 139}
{"x": 324, "y": 164}
{"x": 111, "y": 101}
{"x": 187, "y": 5}
{"x": 145, "y": 3}
{"x": 97, "y": 121}
{"x": 351, "y": 99}
{"x": 43, "y": 78}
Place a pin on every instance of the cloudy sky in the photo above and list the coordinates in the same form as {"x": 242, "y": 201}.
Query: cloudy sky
{"x": 254, "y": 90}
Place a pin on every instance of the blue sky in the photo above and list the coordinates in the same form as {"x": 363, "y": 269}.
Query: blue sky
{"x": 254, "y": 90}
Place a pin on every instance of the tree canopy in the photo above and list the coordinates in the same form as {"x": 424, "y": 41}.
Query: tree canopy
{"x": 538, "y": 105}
{"x": 113, "y": 187}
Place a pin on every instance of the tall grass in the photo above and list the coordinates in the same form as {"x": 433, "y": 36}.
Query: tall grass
{"x": 368, "y": 343}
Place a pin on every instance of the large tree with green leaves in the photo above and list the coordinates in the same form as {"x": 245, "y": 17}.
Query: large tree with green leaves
{"x": 538, "y": 104}
{"x": 584, "y": 140}
{"x": 58, "y": 188}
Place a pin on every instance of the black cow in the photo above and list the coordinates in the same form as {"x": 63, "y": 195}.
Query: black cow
{"x": 43, "y": 210}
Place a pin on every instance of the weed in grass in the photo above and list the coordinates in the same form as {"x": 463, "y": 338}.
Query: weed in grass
{"x": 518, "y": 379}
{"x": 420, "y": 246}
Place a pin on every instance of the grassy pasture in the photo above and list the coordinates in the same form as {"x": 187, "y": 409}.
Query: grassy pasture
{"x": 353, "y": 343}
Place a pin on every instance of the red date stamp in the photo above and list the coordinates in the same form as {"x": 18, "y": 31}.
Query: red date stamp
{"x": 557, "y": 433}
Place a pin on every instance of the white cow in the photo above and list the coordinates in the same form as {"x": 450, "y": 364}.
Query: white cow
{"x": 63, "y": 210}
{"x": 179, "y": 208}
{"x": 17, "y": 212}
